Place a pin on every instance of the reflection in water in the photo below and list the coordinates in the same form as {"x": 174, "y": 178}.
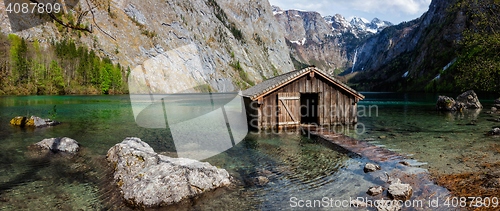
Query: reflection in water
{"x": 440, "y": 139}
{"x": 467, "y": 115}
{"x": 295, "y": 166}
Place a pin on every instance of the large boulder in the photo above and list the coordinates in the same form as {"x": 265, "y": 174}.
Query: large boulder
{"x": 445, "y": 103}
{"x": 469, "y": 100}
{"x": 148, "y": 179}
{"x": 466, "y": 100}
{"x": 55, "y": 145}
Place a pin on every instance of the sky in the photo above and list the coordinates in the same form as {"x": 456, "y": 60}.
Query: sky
{"x": 395, "y": 11}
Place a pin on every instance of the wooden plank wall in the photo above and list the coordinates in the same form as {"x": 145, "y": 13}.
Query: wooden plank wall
{"x": 291, "y": 112}
{"x": 335, "y": 106}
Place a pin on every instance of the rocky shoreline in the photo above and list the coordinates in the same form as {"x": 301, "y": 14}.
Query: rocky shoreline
{"x": 482, "y": 180}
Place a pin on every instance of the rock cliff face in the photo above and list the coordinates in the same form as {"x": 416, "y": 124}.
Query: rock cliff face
{"x": 417, "y": 55}
{"x": 239, "y": 42}
{"x": 412, "y": 54}
{"x": 329, "y": 42}
{"x": 311, "y": 40}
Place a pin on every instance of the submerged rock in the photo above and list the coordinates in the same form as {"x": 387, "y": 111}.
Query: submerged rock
{"x": 399, "y": 191}
{"x": 370, "y": 167}
{"x": 33, "y": 121}
{"x": 260, "y": 180}
{"x": 496, "y": 104}
{"x": 393, "y": 180}
{"x": 358, "y": 203}
{"x": 148, "y": 179}
{"x": 59, "y": 145}
{"x": 388, "y": 205}
{"x": 373, "y": 191}
{"x": 494, "y": 132}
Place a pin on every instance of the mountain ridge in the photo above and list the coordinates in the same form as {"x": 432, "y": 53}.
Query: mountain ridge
{"x": 327, "y": 42}
{"x": 243, "y": 43}
{"x": 239, "y": 43}
{"x": 448, "y": 49}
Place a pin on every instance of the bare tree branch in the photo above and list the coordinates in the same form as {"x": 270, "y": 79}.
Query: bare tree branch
{"x": 93, "y": 18}
{"x": 79, "y": 20}
{"x": 68, "y": 25}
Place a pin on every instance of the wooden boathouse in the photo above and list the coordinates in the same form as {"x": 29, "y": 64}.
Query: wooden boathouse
{"x": 307, "y": 96}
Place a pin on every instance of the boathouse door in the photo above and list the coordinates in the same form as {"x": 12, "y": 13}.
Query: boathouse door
{"x": 288, "y": 109}
{"x": 309, "y": 108}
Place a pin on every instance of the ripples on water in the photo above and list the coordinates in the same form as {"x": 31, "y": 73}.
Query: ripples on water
{"x": 296, "y": 166}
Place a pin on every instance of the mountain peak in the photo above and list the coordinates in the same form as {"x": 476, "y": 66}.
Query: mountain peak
{"x": 338, "y": 22}
{"x": 358, "y": 20}
{"x": 356, "y": 25}
{"x": 276, "y": 10}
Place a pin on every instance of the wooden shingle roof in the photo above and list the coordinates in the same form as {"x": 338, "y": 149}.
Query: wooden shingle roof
{"x": 277, "y": 82}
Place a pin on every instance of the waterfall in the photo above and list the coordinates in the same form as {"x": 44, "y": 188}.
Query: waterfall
{"x": 354, "y": 59}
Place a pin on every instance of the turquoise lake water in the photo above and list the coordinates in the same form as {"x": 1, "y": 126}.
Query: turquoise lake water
{"x": 295, "y": 165}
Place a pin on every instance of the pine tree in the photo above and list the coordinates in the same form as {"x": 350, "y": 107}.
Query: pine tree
{"x": 57, "y": 78}
{"x": 19, "y": 61}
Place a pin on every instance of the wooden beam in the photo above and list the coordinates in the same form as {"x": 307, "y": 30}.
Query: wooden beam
{"x": 288, "y": 123}
{"x": 289, "y": 98}
{"x": 340, "y": 85}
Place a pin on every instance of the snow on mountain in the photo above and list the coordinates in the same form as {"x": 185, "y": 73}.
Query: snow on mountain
{"x": 379, "y": 24}
{"x": 277, "y": 10}
{"x": 338, "y": 22}
{"x": 373, "y": 26}
{"x": 333, "y": 39}
{"x": 356, "y": 25}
